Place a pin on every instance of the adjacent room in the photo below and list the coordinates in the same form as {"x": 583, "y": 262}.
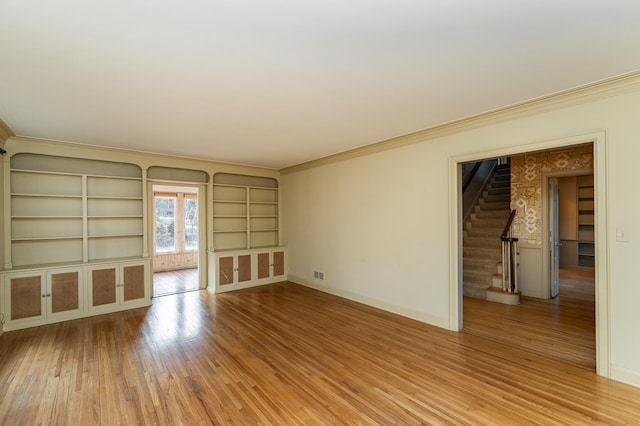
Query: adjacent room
{"x": 319, "y": 212}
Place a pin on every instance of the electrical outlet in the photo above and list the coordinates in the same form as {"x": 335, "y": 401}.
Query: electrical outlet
{"x": 622, "y": 235}
{"x": 321, "y": 275}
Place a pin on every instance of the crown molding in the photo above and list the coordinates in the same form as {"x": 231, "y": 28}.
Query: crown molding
{"x": 25, "y": 144}
{"x": 5, "y": 132}
{"x": 625, "y": 83}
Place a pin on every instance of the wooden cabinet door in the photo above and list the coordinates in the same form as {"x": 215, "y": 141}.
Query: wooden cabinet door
{"x": 278, "y": 263}
{"x": 225, "y": 270}
{"x": 243, "y": 268}
{"x": 264, "y": 265}
{"x": 25, "y": 296}
{"x": 64, "y": 292}
{"x": 133, "y": 283}
{"x": 102, "y": 287}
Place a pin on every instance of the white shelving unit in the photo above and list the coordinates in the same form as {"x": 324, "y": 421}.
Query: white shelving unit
{"x": 114, "y": 217}
{"x": 586, "y": 223}
{"x": 70, "y": 217}
{"x": 246, "y": 233}
{"x": 245, "y": 216}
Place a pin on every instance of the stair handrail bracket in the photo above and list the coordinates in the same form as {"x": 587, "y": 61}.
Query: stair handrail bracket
{"x": 509, "y": 257}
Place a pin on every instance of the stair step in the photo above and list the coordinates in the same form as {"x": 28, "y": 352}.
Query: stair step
{"x": 478, "y": 277}
{"x": 478, "y": 265}
{"x": 504, "y": 184}
{"x": 503, "y": 205}
{"x": 496, "y": 280}
{"x": 475, "y": 290}
{"x": 499, "y": 265}
{"x": 498, "y": 191}
{"x": 486, "y": 223}
{"x": 481, "y": 242}
{"x": 491, "y": 214}
{"x": 497, "y": 295}
{"x": 494, "y": 233}
{"x": 488, "y": 198}
{"x": 477, "y": 254}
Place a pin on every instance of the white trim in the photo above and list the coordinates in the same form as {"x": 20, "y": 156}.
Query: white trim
{"x": 201, "y": 191}
{"x": 546, "y": 267}
{"x": 625, "y": 83}
{"x": 455, "y": 244}
{"x": 603, "y": 300}
{"x": 603, "y": 320}
{"x": 625, "y": 375}
{"x": 375, "y": 303}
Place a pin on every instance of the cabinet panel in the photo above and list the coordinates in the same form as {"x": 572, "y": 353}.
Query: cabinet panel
{"x": 244, "y": 268}
{"x": 133, "y": 282}
{"x": 65, "y": 293}
{"x": 264, "y": 265}
{"x": 225, "y": 270}
{"x": 103, "y": 286}
{"x": 240, "y": 269}
{"x": 119, "y": 286}
{"x": 278, "y": 263}
{"x": 26, "y": 297}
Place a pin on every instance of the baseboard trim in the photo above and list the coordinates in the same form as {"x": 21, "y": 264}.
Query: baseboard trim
{"x": 624, "y": 375}
{"x": 379, "y": 304}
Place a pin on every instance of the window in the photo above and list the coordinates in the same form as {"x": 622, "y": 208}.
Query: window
{"x": 165, "y": 224}
{"x": 190, "y": 224}
{"x": 176, "y": 222}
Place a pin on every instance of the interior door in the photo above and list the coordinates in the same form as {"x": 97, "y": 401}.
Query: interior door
{"x": 554, "y": 242}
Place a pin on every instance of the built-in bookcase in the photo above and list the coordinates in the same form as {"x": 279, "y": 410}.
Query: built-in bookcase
{"x": 245, "y": 212}
{"x": 67, "y": 210}
{"x": 586, "y": 223}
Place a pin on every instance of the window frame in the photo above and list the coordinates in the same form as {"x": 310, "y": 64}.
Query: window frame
{"x": 180, "y": 221}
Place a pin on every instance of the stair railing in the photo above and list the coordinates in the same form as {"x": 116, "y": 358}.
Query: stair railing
{"x": 509, "y": 257}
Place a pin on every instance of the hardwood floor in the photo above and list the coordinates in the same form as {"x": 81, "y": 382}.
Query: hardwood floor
{"x": 286, "y": 354}
{"x": 172, "y": 282}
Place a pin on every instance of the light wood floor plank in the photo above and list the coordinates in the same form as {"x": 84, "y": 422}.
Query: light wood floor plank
{"x": 286, "y": 354}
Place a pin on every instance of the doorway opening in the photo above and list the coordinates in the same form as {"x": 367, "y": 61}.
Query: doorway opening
{"x": 175, "y": 239}
{"x": 570, "y": 199}
{"x": 535, "y": 235}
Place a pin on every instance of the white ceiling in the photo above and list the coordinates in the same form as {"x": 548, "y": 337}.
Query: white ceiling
{"x": 276, "y": 83}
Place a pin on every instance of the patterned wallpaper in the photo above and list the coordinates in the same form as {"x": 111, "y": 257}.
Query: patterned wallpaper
{"x": 526, "y": 185}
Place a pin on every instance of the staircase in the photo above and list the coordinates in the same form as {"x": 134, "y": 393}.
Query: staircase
{"x": 482, "y": 249}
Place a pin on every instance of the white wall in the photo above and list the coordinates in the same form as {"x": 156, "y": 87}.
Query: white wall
{"x": 377, "y": 225}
